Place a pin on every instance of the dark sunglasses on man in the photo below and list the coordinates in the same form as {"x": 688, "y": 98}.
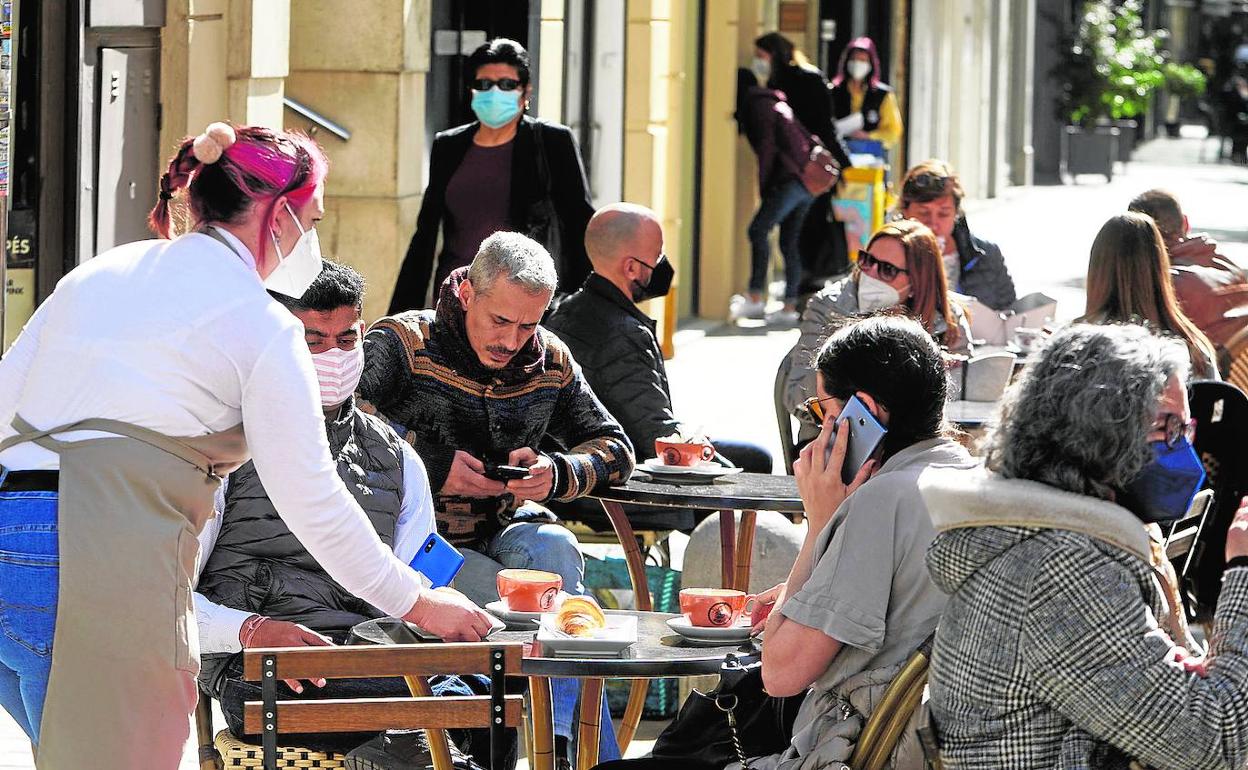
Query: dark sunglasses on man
{"x": 886, "y": 270}
{"x": 503, "y": 84}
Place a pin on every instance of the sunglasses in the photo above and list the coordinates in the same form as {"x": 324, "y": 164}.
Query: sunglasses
{"x": 886, "y": 270}
{"x": 1176, "y": 428}
{"x": 503, "y": 84}
{"x": 813, "y": 406}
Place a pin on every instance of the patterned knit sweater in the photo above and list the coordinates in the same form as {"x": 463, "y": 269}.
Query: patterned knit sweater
{"x": 422, "y": 375}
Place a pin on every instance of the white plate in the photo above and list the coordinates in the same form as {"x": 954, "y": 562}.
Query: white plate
{"x": 523, "y": 621}
{"x": 619, "y": 634}
{"x": 727, "y": 634}
{"x": 707, "y": 469}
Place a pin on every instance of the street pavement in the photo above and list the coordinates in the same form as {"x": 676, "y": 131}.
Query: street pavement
{"x": 722, "y": 375}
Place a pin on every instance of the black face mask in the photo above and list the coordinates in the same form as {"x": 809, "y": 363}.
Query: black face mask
{"x": 660, "y": 281}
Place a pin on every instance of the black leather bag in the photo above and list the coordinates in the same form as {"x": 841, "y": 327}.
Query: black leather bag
{"x": 700, "y": 736}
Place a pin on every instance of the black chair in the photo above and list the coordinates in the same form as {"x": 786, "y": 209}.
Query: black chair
{"x": 1221, "y": 413}
{"x": 784, "y": 421}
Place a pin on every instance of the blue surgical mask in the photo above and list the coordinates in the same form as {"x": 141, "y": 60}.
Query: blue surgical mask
{"x": 1163, "y": 491}
{"x": 496, "y": 108}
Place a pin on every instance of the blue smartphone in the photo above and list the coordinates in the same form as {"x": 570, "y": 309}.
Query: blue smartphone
{"x": 866, "y": 434}
{"x": 437, "y": 560}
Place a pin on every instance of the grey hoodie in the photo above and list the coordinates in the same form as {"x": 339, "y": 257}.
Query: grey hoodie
{"x": 1050, "y": 653}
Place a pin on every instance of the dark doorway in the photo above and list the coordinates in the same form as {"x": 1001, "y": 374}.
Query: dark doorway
{"x": 459, "y": 26}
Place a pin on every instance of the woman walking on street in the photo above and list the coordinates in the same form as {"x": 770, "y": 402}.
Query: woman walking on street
{"x": 504, "y": 171}
{"x": 122, "y": 404}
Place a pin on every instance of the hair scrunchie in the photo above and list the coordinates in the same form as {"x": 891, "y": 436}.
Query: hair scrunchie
{"x": 210, "y": 145}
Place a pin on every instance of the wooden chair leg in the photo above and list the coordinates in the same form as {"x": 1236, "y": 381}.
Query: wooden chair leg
{"x": 632, "y": 713}
{"x": 439, "y": 746}
{"x": 527, "y": 730}
{"x": 543, "y": 723}
{"x": 632, "y": 553}
{"x": 745, "y": 551}
{"x": 209, "y": 759}
{"x": 591, "y": 724}
{"x": 728, "y": 548}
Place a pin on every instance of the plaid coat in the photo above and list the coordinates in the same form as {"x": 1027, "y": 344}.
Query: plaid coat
{"x": 1050, "y": 654}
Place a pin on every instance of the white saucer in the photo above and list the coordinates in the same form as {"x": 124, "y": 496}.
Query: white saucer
{"x": 516, "y": 620}
{"x": 617, "y": 635}
{"x": 708, "y": 469}
{"x": 721, "y": 635}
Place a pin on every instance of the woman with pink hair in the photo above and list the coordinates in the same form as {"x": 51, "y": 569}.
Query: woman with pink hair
{"x": 122, "y": 404}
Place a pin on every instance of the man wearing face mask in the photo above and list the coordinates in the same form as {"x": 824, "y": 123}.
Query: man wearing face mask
{"x": 504, "y": 171}
{"x": 614, "y": 340}
{"x": 259, "y": 587}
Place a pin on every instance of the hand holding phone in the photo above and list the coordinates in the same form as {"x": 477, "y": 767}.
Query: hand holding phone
{"x": 437, "y": 560}
{"x": 866, "y": 434}
{"x": 501, "y": 472}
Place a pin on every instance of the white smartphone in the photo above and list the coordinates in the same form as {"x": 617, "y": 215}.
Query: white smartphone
{"x": 866, "y": 434}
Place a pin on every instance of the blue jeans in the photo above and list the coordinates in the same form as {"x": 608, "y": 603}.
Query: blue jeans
{"x": 785, "y": 205}
{"x": 549, "y": 547}
{"x": 29, "y": 568}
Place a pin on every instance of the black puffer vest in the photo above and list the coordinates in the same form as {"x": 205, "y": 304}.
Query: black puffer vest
{"x": 258, "y": 565}
{"x": 871, "y": 101}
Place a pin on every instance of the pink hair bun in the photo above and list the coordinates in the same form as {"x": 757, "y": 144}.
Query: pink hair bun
{"x": 215, "y": 140}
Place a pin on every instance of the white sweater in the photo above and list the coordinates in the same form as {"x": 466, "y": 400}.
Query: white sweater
{"x": 181, "y": 337}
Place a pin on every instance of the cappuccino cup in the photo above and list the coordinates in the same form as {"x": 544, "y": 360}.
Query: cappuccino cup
{"x": 714, "y": 607}
{"x": 528, "y": 590}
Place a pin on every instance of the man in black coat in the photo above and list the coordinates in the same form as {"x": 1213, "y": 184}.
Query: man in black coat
{"x": 615, "y": 342}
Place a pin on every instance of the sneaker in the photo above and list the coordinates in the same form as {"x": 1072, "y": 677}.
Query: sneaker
{"x": 401, "y": 750}
{"x": 741, "y": 306}
{"x": 783, "y": 317}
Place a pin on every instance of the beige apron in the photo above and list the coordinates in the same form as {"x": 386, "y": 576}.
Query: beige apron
{"x": 126, "y": 650}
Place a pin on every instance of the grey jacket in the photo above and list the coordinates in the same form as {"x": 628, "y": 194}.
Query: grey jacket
{"x": 1050, "y": 654}
{"x": 836, "y": 302}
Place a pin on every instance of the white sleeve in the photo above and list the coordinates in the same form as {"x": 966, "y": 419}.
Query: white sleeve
{"x": 286, "y": 434}
{"x": 16, "y": 362}
{"x": 218, "y": 625}
{"x": 416, "y": 511}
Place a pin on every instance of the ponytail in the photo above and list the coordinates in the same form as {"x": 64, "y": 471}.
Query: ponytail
{"x": 177, "y": 176}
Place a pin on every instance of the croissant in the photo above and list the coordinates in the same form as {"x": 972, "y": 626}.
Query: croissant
{"x": 579, "y": 616}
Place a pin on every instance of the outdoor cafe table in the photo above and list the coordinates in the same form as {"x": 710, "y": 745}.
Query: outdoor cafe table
{"x": 745, "y": 492}
{"x": 659, "y": 652}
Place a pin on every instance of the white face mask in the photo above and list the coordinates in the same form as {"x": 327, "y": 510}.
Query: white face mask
{"x": 761, "y": 67}
{"x": 338, "y": 373}
{"x": 298, "y": 269}
{"x": 858, "y": 69}
{"x": 874, "y": 294}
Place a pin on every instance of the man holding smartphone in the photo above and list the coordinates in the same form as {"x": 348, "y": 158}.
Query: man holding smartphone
{"x": 259, "y": 587}
{"x": 477, "y": 385}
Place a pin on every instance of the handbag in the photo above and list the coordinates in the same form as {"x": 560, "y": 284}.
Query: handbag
{"x": 543, "y": 223}
{"x": 735, "y": 720}
{"x": 821, "y": 172}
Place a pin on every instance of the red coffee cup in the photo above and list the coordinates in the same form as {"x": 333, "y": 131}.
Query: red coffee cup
{"x": 714, "y": 607}
{"x": 683, "y": 452}
{"x": 528, "y": 590}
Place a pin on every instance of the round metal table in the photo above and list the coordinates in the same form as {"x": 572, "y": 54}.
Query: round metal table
{"x": 658, "y": 652}
{"x": 746, "y": 492}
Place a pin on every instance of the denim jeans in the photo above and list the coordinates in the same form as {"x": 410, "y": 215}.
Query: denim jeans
{"x": 29, "y": 567}
{"x": 785, "y": 205}
{"x": 549, "y": 547}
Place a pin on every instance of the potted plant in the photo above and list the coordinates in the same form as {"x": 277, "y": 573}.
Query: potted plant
{"x": 1109, "y": 70}
{"x": 1183, "y": 81}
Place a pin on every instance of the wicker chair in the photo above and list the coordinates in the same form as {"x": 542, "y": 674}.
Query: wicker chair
{"x": 884, "y": 728}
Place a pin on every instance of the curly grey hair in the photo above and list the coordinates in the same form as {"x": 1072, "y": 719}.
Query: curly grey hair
{"x": 1078, "y": 417}
{"x": 515, "y": 257}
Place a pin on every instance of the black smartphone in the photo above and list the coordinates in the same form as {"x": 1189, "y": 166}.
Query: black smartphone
{"x": 499, "y": 472}
{"x": 865, "y": 436}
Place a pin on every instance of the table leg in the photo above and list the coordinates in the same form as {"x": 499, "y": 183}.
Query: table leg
{"x": 745, "y": 551}
{"x": 728, "y": 547}
{"x": 439, "y": 749}
{"x": 632, "y": 553}
{"x": 641, "y": 593}
{"x": 591, "y": 716}
{"x": 632, "y": 713}
{"x": 543, "y": 717}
